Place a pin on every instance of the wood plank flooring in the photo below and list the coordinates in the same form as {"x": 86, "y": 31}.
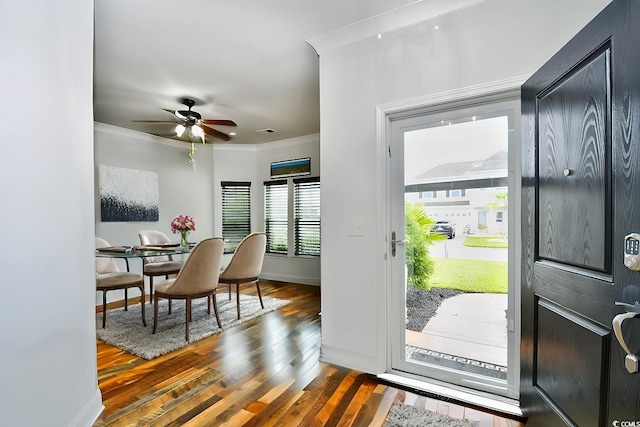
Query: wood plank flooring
{"x": 264, "y": 372}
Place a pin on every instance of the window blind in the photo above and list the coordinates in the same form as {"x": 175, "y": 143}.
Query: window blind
{"x": 306, "y": 193}
{"x": 276, "y": 210}
{"x": 236, "y": 212}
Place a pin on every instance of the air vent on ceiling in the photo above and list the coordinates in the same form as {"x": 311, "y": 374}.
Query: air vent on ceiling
{"x": 267, "y": 130}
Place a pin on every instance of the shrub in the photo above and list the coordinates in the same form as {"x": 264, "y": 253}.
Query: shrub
{"x": 418, "y": 236}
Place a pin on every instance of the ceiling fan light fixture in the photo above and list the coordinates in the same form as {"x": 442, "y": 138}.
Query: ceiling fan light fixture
{"x": 197, "y": 132}
{"x": 180, "y": 130}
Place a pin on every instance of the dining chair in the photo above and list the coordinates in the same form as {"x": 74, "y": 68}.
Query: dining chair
{"x": 245, "y": 265}
{"x": 162, "y": 265}
{"x": 198, "y": 278}
{"x": 109, "y": 278}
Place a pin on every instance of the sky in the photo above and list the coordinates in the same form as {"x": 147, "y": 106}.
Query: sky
{"x": 445, "y": 143}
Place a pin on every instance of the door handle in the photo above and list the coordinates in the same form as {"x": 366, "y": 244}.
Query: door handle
{"x": 630, "y": 360}
{"x": 395, "y": 242}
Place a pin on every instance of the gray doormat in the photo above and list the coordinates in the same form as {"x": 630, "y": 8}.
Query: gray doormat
{"x": 402, "y": 415}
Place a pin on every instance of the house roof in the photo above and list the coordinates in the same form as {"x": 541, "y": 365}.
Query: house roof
{"x": 491, "y": 167}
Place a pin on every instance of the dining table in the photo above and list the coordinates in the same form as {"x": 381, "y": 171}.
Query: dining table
{"x": 141, "y": 252}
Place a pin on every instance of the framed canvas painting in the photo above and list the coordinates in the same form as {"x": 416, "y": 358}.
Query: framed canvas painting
{"x": 128, "y": 194}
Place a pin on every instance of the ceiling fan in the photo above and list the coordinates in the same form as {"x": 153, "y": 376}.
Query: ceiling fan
{"x": 191, "y": 127}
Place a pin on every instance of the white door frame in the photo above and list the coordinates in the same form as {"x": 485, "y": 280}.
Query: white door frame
{"x": 462, "y": 98}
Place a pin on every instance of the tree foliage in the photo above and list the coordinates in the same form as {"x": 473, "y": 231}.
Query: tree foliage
{"x": 501, "y": 202}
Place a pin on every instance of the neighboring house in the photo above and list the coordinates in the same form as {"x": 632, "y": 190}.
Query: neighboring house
{"x": 467, "y": 202}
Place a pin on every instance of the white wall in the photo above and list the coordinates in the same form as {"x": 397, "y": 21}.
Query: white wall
{"x": 48, "y": 359}
{"x": 492, "y": 41}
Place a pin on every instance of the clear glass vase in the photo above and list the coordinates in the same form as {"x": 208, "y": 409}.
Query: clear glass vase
{"x": 184, "y": 240}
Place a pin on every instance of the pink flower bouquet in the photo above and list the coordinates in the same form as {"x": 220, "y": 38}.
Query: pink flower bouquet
{"x": 183, "y": 223}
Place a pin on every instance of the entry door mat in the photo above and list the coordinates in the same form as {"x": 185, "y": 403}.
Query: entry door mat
{"x": 125, "y": 330}
{"x": 464, "y": 364}
{"x": 402, "y": 415}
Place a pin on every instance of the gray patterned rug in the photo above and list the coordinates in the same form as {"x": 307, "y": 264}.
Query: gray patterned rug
{"x": 402, "y": 415}
{"x": 124, "y": 328}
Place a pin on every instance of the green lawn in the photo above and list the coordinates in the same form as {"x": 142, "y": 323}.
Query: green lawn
{"x": 470, "y": 275}
{"x": 485, "y": 241}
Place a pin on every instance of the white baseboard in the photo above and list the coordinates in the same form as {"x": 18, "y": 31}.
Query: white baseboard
{"x": 91, "y": 411}
{"x": 314, "y": 281}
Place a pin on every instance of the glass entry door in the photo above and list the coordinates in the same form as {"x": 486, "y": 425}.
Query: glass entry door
{"x": 453, "y": 216}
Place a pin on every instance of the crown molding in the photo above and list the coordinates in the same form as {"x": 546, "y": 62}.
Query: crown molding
{"x": 403, "y": 16}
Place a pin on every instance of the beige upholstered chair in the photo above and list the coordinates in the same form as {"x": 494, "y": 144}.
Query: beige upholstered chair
{"x": 198, "y": 278}
{"x": 109, "y": 278}
{"x": 162, "y": 265}
{"x": 245, "y": 265}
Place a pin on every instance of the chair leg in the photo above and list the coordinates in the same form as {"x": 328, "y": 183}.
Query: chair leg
{"x": 155, "y": 313}
{"x": 150, "y": 289}
{"x": 188, "y": 318}
{"x": 215, "y": 309}
{"x": 142, "y": 304}
{"x": 170, "y": 306}
{"x": 209, "y": 304}
{"x": 229, "y": 285}
{"x": 104, "y": 308}
{"x": 259, "y": 294}
{"x": 126, "y": 300}
{"x": 238, "y": 298}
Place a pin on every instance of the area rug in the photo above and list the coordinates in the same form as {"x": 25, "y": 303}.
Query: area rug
{"x": 402, "y": 415}
{"x": 125, "y": 330}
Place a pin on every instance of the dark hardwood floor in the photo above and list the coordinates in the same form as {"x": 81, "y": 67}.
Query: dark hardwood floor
{"x": 264, "y": 372}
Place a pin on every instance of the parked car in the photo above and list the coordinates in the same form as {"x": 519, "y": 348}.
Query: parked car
{"x": 444, "y": 227}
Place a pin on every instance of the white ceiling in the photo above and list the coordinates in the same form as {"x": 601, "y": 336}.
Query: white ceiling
{"x": 244, "y": 60}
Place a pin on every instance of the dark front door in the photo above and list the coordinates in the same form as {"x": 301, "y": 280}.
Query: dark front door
{"x": 580, "y": 198}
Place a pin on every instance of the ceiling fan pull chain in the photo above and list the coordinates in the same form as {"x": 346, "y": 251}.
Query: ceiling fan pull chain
{"x": 192, "y": 152}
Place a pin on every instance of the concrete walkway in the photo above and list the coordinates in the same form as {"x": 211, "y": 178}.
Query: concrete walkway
{"x": 472, "y": 326}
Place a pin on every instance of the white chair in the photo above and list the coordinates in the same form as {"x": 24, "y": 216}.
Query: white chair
{"x": 109, "y": 278}
{"x": 162, "y": 265}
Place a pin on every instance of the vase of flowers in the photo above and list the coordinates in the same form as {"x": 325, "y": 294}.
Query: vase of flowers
{"x": 183, "y": 224}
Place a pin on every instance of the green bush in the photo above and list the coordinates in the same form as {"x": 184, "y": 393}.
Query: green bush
{"x": 417, "y": 234}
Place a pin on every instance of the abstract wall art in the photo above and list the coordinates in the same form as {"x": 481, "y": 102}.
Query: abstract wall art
{"x": 128, "y": 194}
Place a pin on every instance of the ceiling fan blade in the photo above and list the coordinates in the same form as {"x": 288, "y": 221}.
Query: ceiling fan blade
{"x": 219, "y": 122}
{"x": 214, "y": 133}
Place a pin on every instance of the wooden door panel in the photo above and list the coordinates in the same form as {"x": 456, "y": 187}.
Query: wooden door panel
{"x": 573, "y": 167}
{"x": 581, "y": 112}
{"x": 567, "y": 347}
{"x": 590, "y": 293}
